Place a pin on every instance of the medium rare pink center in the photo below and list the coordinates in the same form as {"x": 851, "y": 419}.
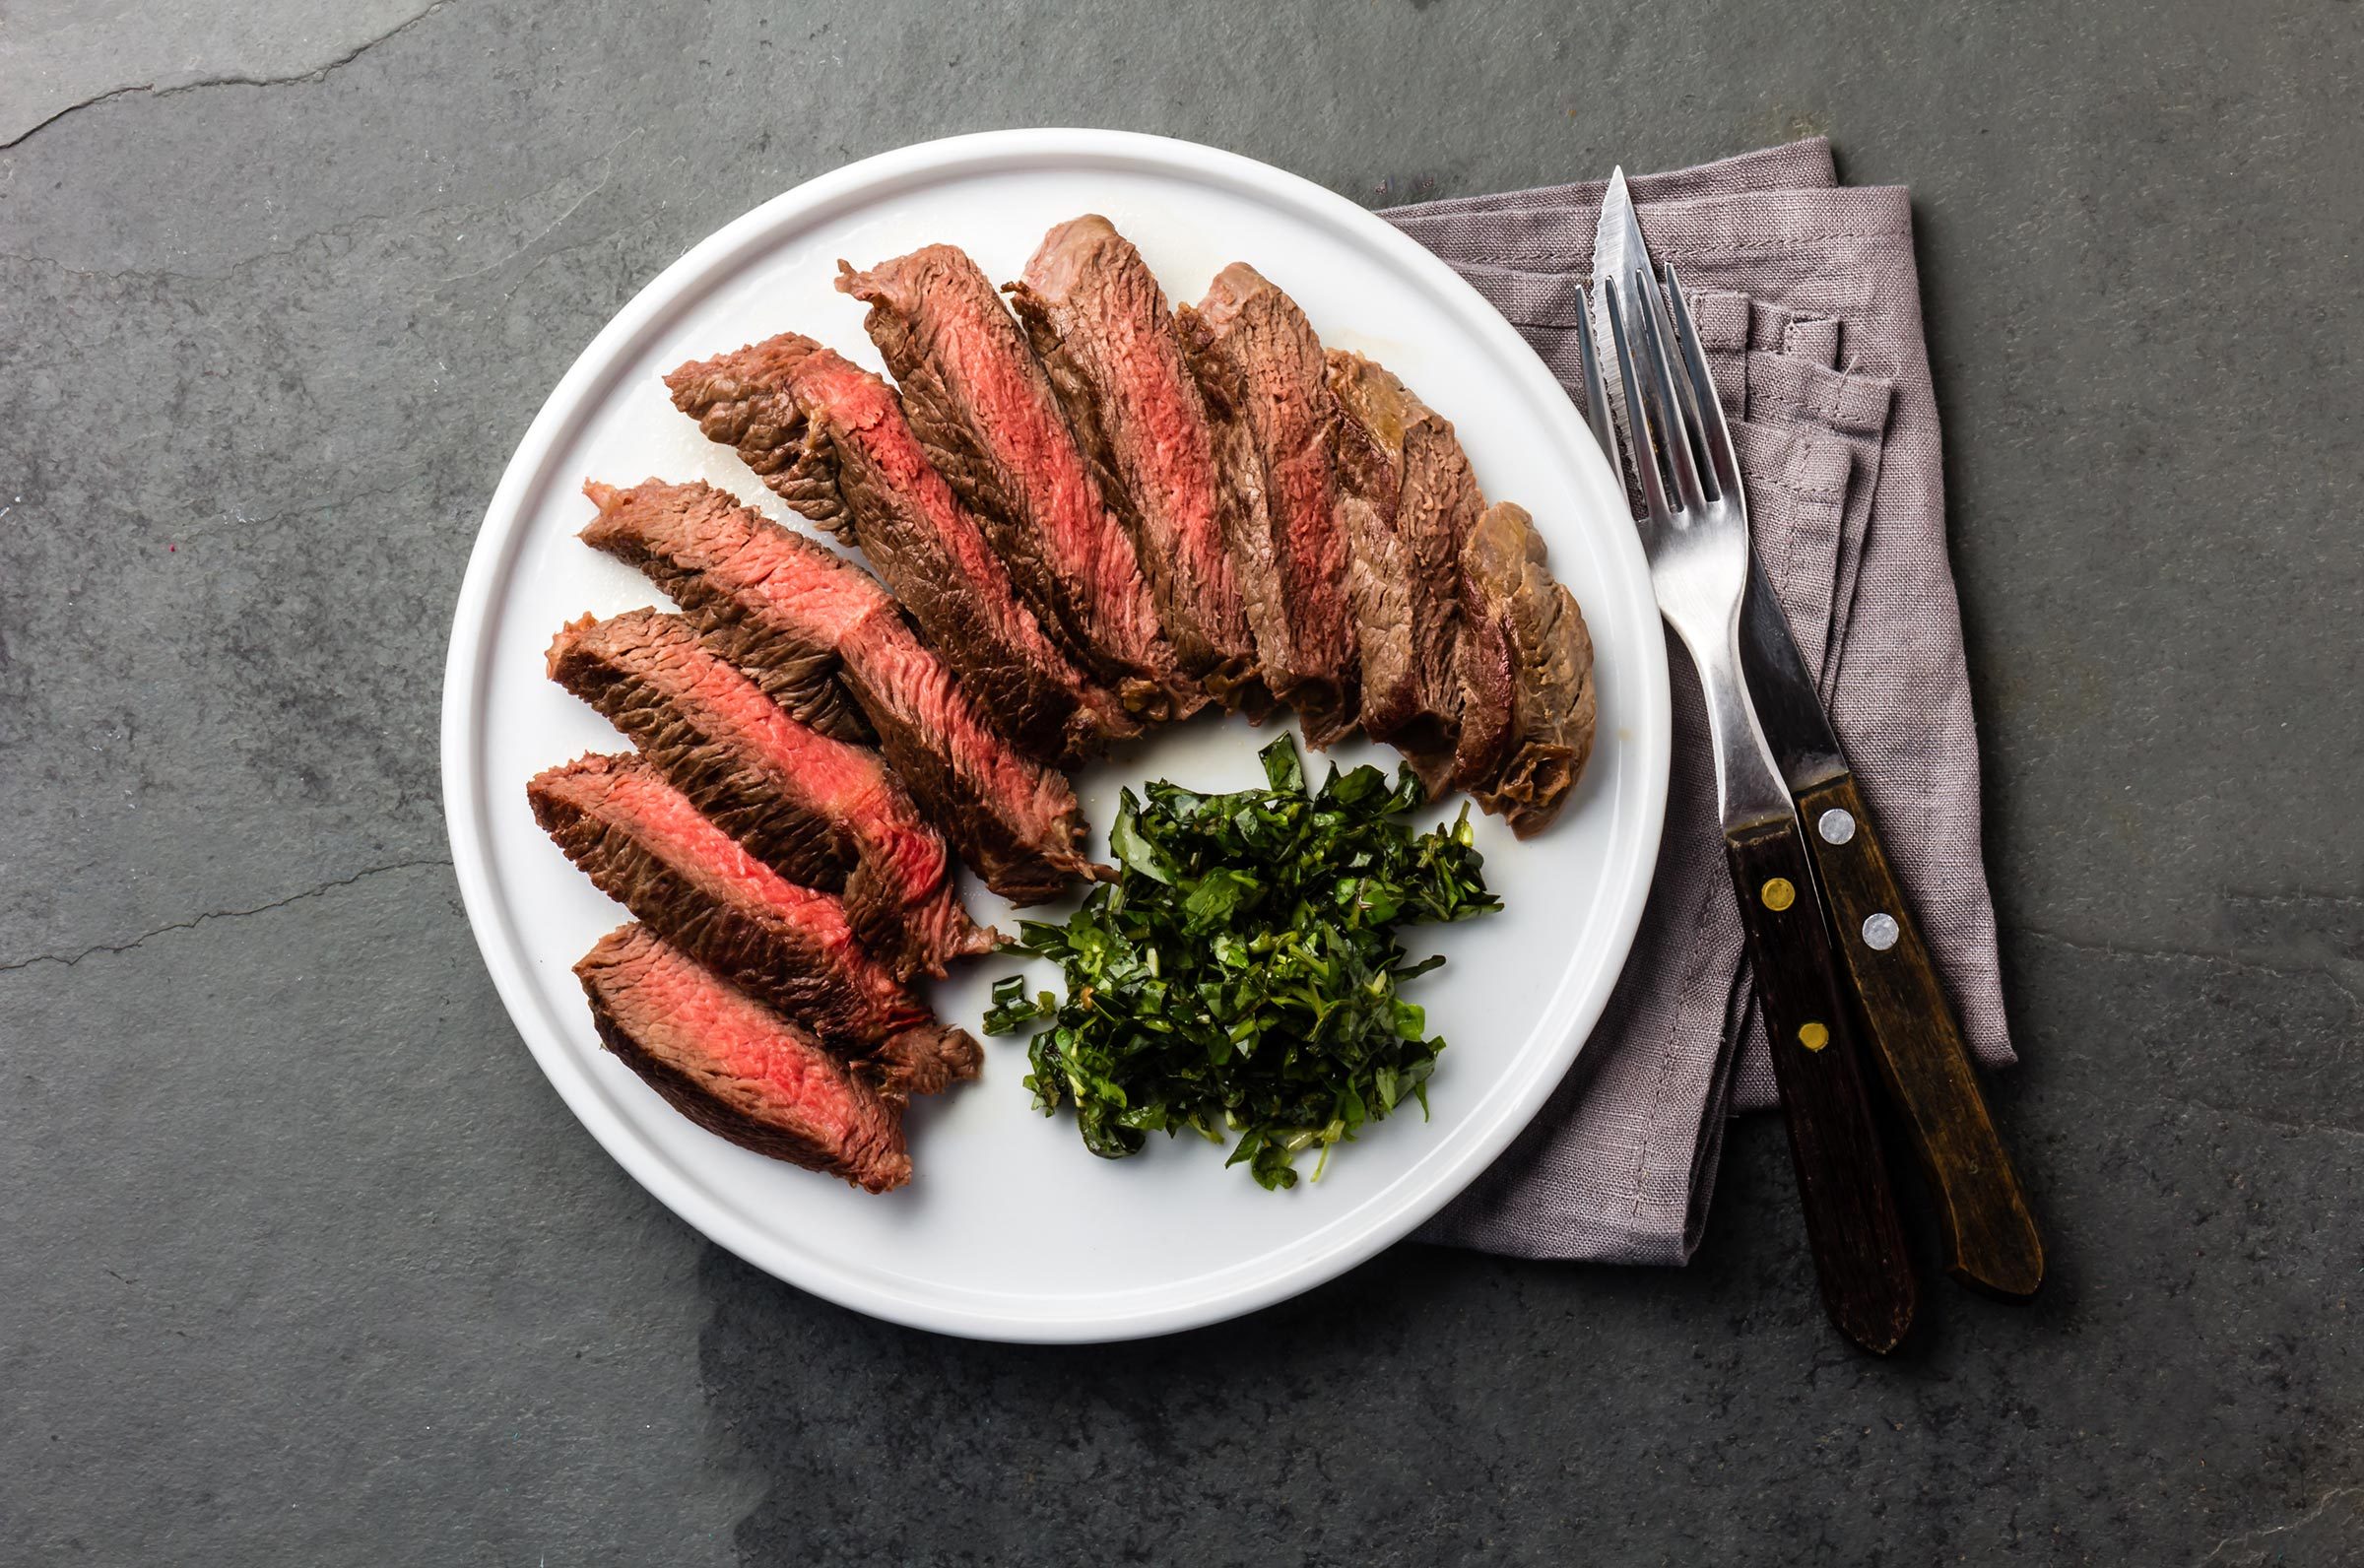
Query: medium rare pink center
{"x": 995, "y": 771}
{"x": 861, "y": 407}
{"x": 1173, "y": 442}
{"x": 716, "y": 863}
{"x": 1015, "y": 414}
{"x": 803, "y": 583}
{"x": 711, "y": 1021}
{"x": 845, "y": 783}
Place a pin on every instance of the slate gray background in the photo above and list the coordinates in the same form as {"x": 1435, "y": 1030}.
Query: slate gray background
{"x": 300, "y": 1262}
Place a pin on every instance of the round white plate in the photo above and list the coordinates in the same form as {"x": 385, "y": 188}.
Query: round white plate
{"x": 1009, "y": 1229}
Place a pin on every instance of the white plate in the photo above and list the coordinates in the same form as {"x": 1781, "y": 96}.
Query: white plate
{"x": 1009, "y": 1230}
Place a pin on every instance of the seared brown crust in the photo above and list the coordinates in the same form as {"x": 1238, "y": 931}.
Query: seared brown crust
{"x": 1265, "y": 380}
{"x": 1409, "y": 501}
{"x": 1489, "y": 692}
{"x": 737, "y": 1068}
{"x": 746, "y": 400}
{"x": 1105, "y": 336}
{"x": 1528, "y": 703}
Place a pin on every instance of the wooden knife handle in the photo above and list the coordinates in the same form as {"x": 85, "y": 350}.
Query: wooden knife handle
{"x": 1851, "y": 1220}
{"x": 1990, "y": 1236}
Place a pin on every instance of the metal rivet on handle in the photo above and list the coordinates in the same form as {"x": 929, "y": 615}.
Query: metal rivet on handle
{"x": 1879, "y": 932}
{"x": 1778, "y": 894}
{"x": 1813, "y": 1036}
{"x": 1836, "y": 826}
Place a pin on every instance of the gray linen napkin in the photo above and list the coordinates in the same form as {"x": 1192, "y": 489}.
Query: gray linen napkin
{"x": 1809, "y": 309}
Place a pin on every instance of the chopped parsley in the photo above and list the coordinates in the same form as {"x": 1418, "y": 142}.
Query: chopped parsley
{"x": 1241, "y": 974}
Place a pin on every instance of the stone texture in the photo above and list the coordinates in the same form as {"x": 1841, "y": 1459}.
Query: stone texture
{"x": 59, "y": 58}
{"x": 304, "y": 1263}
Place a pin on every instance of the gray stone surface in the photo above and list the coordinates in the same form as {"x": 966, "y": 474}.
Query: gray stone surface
{"x": 56, "y": 59}
{"x": 302, "y": 1263}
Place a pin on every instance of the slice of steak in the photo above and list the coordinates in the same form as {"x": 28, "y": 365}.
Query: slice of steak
{"x": 1489, "y": 694}
{"x": 1263, "y": 370}
{"x": 1527, "y": 704}
{"x": 710, "y": 730}
{"x": 984, "y": 411}
{"x": 808, "y": 690}
{"x": 1243, "y": 509}
{"x": 1101, "y": 328}
{"x": 644, "y": 845}
{"x": 818, "y": 812}
{"x": 1409, "y": 501}
{"x": 764, "y": 595}
{"x": 830, "y": 440}
{"x": 735, "y": 1067}
{"x": 1379, "y": 590}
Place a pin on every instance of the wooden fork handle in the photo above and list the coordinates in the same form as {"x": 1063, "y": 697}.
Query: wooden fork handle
{"x": 1851, "y": 1219}
{"x": 1988, "y": 1235}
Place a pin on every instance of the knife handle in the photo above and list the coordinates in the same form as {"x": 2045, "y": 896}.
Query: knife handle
{"x": 1851, "y": 1219}
{"x": 1988, "y": 1235}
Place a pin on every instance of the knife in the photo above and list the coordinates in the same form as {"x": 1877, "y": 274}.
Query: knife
{"x": 1988, "y": 1232}
{"x": 1697, "y": 546}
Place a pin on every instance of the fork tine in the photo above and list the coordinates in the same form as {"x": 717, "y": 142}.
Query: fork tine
{"x": 1661, "y": 373}
{"x": 1699, "y": 396}
{"x": 1595, "y": 396}
{"x": 1637, "y": 414}
{"x": 1687, "y": 390}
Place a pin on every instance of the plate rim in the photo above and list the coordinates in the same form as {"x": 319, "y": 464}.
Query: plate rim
{"x": 499, "y": 537}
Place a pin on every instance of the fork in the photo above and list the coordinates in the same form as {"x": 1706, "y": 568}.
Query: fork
{"x": 1696, "y": 537}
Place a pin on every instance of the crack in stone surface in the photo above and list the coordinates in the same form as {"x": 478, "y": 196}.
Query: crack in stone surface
{"x": 2323, "y": 964}
{"x": 2345, "y": 975}
{"x": 168, "y": 88}
{"x": 70, "y": 960}
{"x": 2172, "y": 1103}
{"x": 2305, "y": 1519}
{"x": 360, "y": 227}
{"x": 524, "y": 248}
{"x": 348, "y": 229}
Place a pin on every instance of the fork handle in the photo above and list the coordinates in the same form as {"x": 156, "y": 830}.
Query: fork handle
{"x": 1851, "y": 1219}
{"x": 1988, "y": 1233}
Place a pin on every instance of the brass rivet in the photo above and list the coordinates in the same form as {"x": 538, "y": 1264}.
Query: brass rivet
{"x": 1778, "y": 894}
{"x": 1813, "y": 1036}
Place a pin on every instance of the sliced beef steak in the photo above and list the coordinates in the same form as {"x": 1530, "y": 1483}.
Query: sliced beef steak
{"x": 1101, "y": 325}
{"x": 818, "y": 812}
{"x": 1380, "y": 592}
{"x": 1527, "y": 676}
{"x": 764, "y": 595}
{"x": 712, "y": 733}
{"x": 1409, "y": 503}
{"x": 735, "y": 1067}
{"x": 644, "y": 845}
{"x": 811, "y": 692}
{"x": 1263, "y": 372}
{"x": 984, "y": 411}
{"x": 830, "y": 440}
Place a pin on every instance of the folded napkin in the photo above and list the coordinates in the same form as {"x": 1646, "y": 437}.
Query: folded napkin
{"x": 1808, "y": 306}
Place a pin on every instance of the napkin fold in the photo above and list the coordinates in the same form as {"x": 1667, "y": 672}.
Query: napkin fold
{"x": 1808, "y": 306}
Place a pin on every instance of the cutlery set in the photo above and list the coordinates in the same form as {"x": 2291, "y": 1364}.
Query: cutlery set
{"x": 1838, "y": 958}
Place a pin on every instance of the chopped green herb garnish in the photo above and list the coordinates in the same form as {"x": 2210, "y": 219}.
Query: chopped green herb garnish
{"x": 1240, "y": 974}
